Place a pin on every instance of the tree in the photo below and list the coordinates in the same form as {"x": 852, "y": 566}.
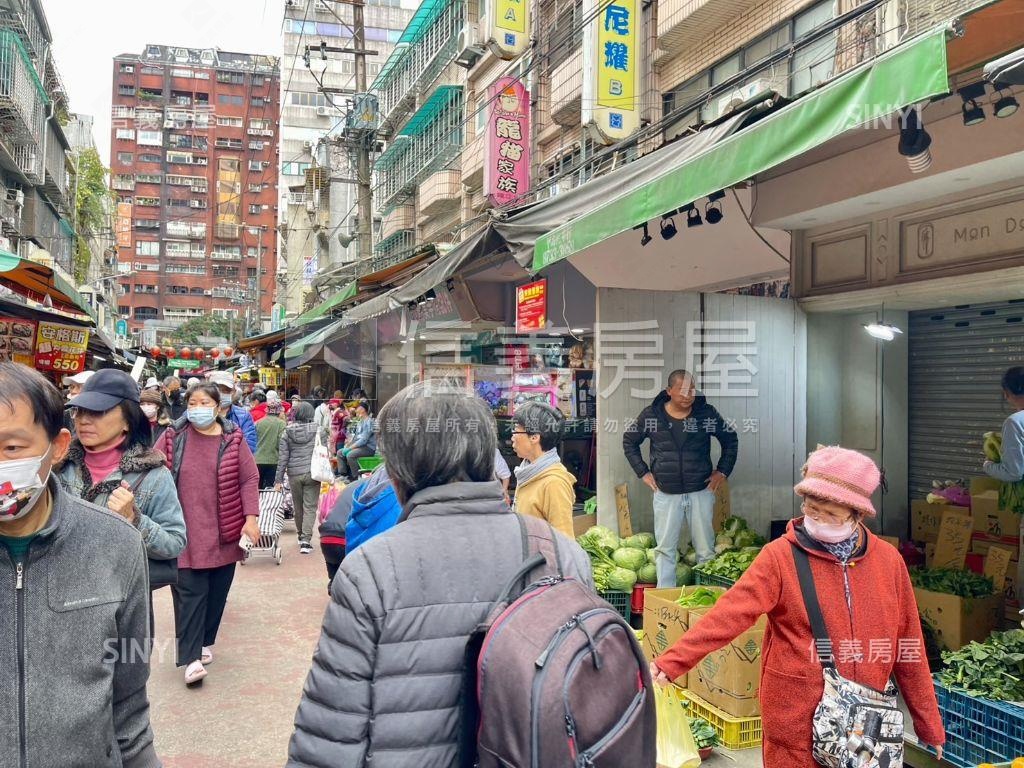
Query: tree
{"x": 208, "y": 325}
{"x": 92, "y": 200}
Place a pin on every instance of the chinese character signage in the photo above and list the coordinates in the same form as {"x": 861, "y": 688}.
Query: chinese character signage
{"x": 184, "y": 365}
{"x": 611, "y": 69}
{"x": 61, "y": 348}
{"x": 510, "y": 28}
{"x": 532, "y": 307}
{"x": 507, "y": 152}
{"x": 123, "y": 225}
{"x": 17, "y": 340}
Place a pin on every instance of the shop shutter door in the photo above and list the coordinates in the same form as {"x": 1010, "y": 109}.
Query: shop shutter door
{"x": 957, "y": 359}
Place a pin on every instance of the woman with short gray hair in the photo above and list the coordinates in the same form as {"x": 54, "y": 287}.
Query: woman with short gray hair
{"x": 544, "y": 487}
{"x": 424, "y": 584}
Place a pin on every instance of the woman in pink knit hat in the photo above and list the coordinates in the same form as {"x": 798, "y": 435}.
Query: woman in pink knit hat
{"x": 866, "y": 600}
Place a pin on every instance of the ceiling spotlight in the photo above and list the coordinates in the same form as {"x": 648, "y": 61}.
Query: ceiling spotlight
{"x": 646, "y": 237}
{"x": 1006, "y": 104}
{"x": 668, "y": 227}
{"x": 713, "y": 211}
{"x": 421, "y": 300}
{"x": 882, "y": 331}
{"x": 430, "y": 295}
{"x": 914, "y": 142}
{"x": 449, "y": 284}
{"x": 411, "y": 305}
{"x": 971, "y": 108}
{"x": 692, "y": 215}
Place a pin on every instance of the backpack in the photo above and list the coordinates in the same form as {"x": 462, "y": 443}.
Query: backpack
{"x": 554, "y": 675}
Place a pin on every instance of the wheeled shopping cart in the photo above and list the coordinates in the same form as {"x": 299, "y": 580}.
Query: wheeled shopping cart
{"x": 271, "y": 523}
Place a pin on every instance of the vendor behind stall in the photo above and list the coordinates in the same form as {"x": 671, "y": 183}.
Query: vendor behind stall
{"x": 1010, "y": 467}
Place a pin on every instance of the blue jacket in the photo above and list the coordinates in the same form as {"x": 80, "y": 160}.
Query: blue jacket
{"x": 243, "y": 420}
{"x": 364, "y": 434}
{"x": 375, "y": 509}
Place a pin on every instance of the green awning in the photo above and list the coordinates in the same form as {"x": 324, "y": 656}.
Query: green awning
{"x": 303, "y": 350}
{"x": 442, "y": 97}
{"x": 911, "y": 73}
{"x": 421, "y": 21}
{"x": 37, "y": 282}
{"x": 324, "y": 308}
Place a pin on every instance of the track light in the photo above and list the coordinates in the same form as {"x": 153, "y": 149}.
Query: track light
{"x": 692, "y": 215}
{"x": 971, "y": 108}
{"x": 430, "y": 295}
{"x": 713, "y": 211}
{"x": 449, "y": 284}
{"x": 914, "y": 142}
{"x": 1006, "y": 104}
{"x": 882, "y": 331}
{"x": 668, "y": 227}
{"x": 646, "y": 237}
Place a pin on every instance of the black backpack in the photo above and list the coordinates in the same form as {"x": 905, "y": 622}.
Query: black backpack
{"x": 555, "y": 677}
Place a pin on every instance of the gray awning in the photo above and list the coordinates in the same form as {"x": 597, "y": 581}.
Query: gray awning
{"x": 1008, "y": 70}
{"x": 519, "y": 232}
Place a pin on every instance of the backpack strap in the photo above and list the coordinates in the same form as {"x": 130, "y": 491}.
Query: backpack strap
{"x": 822, "y": 641}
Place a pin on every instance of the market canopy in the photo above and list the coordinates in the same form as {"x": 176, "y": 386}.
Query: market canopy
{"x": 325, "y": 308}
{"x": 909, "y": 74}
{"x": 37, "y": 282}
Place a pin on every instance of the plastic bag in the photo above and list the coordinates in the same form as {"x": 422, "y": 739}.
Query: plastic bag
{"x": 320, "y": 466}
{"x": 328, "y": 498}
{"x": 676, "y": 747}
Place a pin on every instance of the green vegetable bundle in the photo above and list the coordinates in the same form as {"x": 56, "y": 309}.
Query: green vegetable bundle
{"x": 701, "y": 597}
{"x": 993, "y": 669}
{"x": 952, "y": 582}
{"x": 1011, "y": 497}
{"x": 730, "y": 565}
{"x": 704, "y": 734}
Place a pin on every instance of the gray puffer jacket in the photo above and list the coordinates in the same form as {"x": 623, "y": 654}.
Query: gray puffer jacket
{"x": 295, "y": 451}
{"x": 386, "y": 683}
{"x": 76, "y": 629}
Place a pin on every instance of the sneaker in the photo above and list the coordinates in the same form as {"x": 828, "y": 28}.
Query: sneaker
{"x": 207, "y": 655}
{"x": 194, "y": 674}
{"x": 305, "y": 548}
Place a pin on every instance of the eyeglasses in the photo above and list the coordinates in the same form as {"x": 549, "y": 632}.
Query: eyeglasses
{"x": 522, "y": 432}
{"x": 81, "y": 413}
{"x": 818, "y": 514}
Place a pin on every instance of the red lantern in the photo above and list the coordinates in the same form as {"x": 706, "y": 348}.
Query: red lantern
{"x": 215, "y": 353}
{"x": 170, "y": 352}
{"x": 155, "y": 351}
{"x": 186, "y": 353}
{"x": 199, "y": 353}
{"x": 228, "y": 351}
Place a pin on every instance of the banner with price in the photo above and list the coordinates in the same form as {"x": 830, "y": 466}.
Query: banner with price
{"x": 61, "y": 348}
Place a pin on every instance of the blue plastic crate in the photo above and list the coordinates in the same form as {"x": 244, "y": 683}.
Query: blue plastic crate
{"x": 619, "y": 601}
{"x": 979, "y": 730}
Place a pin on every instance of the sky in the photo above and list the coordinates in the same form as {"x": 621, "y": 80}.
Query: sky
{"x": 87, "y": 36}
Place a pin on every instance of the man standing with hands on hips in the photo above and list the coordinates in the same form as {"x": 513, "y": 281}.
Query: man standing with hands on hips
{"x": 680, "y": 424}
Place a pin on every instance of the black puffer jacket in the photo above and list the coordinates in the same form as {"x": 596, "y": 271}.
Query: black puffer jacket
{"x": 681, "y": 462}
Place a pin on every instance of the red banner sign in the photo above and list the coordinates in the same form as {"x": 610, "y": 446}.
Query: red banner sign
{"x": 532, "y": 307}
{"x": 61, "y": 348}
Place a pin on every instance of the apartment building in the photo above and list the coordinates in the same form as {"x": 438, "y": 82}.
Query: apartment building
{"x": 309, "y": 115}
{"x": 193, "y": 152}
{"x": 35, "y": 176}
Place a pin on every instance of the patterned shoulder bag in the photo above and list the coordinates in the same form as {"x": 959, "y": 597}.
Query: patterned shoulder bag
{"x": 854, "y": 726}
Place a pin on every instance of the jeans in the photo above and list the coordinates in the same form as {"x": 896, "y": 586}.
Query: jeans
{"x": 353, "y": 460}
{"x": 670, "y": 512}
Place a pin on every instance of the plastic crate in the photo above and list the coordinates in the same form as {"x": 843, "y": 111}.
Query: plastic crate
{"x": 707, "y": 580}
{"x": 733, "y": 732}
{"x": 979, "y": 730}
{"x": 619, "y": 601}
{"x": 370, "y": 463}
{"x": 636, "y": 603}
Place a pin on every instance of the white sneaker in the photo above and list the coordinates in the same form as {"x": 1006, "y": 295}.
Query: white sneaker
{"x": 207, "y": 655}
{"x": 194, "y": 673}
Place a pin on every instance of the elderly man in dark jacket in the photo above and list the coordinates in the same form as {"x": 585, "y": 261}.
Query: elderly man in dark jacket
{"x": 386, "y": 684}
{"x": 680, "y": 424}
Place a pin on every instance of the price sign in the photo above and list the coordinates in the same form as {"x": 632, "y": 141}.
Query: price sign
{"x": 61, "y": 348}
{"x": 185, "y": 365}
{"x": 954, "y": 539}
{"x": 996, "y": 564}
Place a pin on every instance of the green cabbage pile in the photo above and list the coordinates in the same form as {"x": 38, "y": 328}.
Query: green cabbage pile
{"x": 619, "y": 564}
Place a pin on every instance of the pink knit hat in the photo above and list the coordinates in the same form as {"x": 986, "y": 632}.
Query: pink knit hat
{"x": 840, "y": 475}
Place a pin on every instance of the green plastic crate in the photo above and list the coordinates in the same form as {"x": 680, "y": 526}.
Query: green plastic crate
{"x": 709, "y": 580}
{"x": 619, "y": 601}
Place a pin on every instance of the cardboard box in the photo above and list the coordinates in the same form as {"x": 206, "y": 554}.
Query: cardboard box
{"x": 925, "y": 519}
{"x": 665, "y": 621}
{"x": 957, "y": 620}
{"x": 983, "y": 484}
{"x": 729, "y": 677}
{"x": 981, "y": 543}
{"x": 582, "y": 523}
{"x": 894, "y": 540}
{"x": 992, "y": 521}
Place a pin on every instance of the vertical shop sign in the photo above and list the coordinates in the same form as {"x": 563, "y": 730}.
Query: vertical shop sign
{"x": 532, "y": 307}
{"x": 123, "y": 225}
{"x": 611, "y": 69}
{"x": 510, "y": 28}
{"x": 61, "y": 348}
{"x": 507, "y": 152}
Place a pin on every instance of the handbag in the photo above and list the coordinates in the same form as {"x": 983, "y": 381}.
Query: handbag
{"x": 854, "y": 726}
{"x": 675, "y": 744}
{"x": 320, "y": 465}
{"x": 162, "y": 573}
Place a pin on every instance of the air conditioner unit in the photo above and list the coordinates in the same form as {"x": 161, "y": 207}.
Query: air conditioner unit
{"x": 743, "y": 94}
{"x": 308, "y": 145}
{"x": 470, "y": 50}
{"x": 323, "y": 111}
{"x": 310, "y": 206}
{"x": 207, "y": 293}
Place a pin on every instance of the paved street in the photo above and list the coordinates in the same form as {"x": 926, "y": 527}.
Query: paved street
{"x": 241, "y": 717}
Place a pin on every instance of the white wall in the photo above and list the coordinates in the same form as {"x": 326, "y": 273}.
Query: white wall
{"x": 769, "y": 459}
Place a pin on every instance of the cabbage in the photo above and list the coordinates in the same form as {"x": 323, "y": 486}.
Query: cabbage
{"x": 652, "y": 555}
{"x": 684, "y": 575}
{"x": 733, "y": 525}
{"x": 648, "y": 574}
{"x": 639, "y": 541}
{"x": 722, "y": 548}
{"x": 691, "y": 557}
{"x": 634, "y": 559}
{"x": 622, "y": 580}
{"x": 599, "y": 538}
{"x": 724, "y": 539}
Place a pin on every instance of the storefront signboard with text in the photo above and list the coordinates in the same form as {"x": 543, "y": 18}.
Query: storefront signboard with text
{"x": 61, "y": 348}
{"x": 532, "y": 307}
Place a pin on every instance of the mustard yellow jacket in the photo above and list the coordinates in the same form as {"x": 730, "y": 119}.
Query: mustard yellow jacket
{"x": 549, "y": 496}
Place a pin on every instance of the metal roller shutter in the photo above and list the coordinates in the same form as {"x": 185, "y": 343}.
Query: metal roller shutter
{"x": 957, "y": 359}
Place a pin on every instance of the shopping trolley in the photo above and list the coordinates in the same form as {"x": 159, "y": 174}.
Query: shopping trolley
{"x": 271, "y": 523}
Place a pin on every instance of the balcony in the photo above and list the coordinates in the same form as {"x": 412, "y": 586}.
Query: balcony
{"x": 123, "y": 183}
{"x": 473, "y": 162}
{"x": 567, "y": 90}
{"x": 440, "y": 193}
{"x": 225, "y": 255}
{"x": 20, "y": 16}
{"x": 387, "y": 249}
{"x": 22, "y": 104}
{"x": 187, "y": 229}
{"x": 397, "y": 220}
{"x": 10, "y": 210}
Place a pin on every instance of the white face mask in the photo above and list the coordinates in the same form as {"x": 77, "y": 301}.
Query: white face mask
{"x": 21, "y": 486}
{"x": 150, "y": 410}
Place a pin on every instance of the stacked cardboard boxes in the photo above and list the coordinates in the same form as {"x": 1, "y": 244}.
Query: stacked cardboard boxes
{"x": 995, "y": 527}
{"x": 729, "y": 677}
{"x": 665, "y": 621}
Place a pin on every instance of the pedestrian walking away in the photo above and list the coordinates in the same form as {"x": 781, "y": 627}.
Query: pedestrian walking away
{"x": 218, "y": 485}
{"x": 847, "y": 563}
{"x": 269, "y": 430}
{"x": 680, "y": 424}
{"x": 74, "y": 596}
{"x": 295, "y": 455}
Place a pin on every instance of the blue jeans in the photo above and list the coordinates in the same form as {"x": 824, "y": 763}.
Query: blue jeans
{"x": 670, "y": 512}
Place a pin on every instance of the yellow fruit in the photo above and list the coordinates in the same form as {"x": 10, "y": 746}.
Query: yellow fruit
{"x": 1017, "y": 763}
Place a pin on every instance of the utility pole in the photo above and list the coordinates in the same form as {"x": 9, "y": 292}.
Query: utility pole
{"x": 259, "y": 286}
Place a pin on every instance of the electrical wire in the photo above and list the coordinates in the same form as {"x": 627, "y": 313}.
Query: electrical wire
{"x": 754, "y": 229}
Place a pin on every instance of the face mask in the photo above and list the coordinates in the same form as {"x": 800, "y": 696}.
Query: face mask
{"x": 201, "y": 417}
{"x": 225, "y": 401}
{"x": 829, "y": 533}
{"x": 21, "y": 486}
{"x": 150, "y": 410}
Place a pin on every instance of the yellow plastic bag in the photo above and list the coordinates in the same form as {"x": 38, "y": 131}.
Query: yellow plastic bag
{"x": 676, "y": 747}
